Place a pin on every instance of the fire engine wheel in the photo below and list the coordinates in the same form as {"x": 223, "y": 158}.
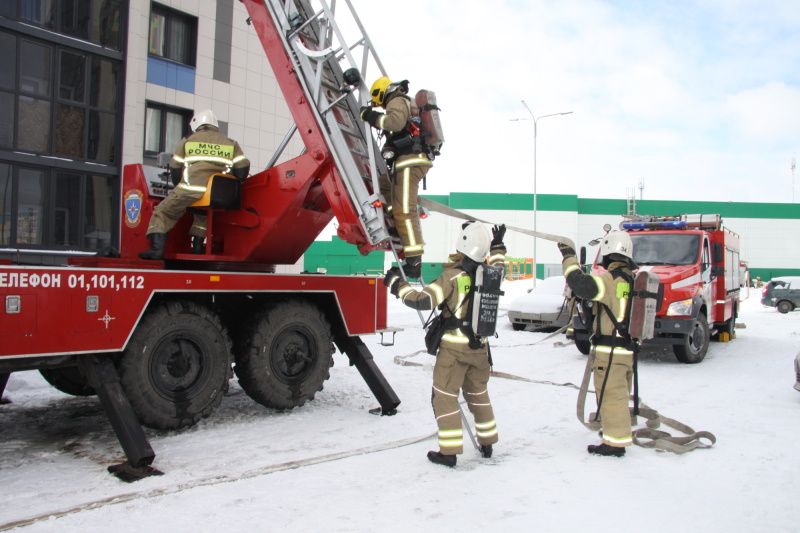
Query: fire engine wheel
{"x": 68, "y": 380}
{"x": 695, "y": 346}
{"x": 785, "y": 306}
{"x": 583, "y": 346}
{"x": 516, "y": 326}
{"x": 288, "y": 356}
{"x": 177, "y": 365}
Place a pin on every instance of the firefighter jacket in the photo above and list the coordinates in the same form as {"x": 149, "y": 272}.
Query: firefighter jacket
{"x": 612, "y": 289}
{"x": 410, "y": 149}
{"x": 206, "y": 152}
{"x": 450, "y": 292}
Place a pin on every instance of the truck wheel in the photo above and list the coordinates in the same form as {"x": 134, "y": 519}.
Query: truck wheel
{"x": 176, "y": 366}
{"x": 585, "y": 347}
{"x": 785, "y": 306}
{"x": 695, "y": 346}
{"x": 517, "y": 326}
{"x": 288, "y": 357}
{"x": 68, "y": 380}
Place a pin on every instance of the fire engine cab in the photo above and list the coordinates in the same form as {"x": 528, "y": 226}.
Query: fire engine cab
{"x": 697, "y": 262}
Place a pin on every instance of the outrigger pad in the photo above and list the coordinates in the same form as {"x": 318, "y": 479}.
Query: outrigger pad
{"x": 128, "y": 473}
{"x": 383, "y": 412}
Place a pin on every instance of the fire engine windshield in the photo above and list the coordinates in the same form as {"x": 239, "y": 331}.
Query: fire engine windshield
{"x": 665, "y": 249}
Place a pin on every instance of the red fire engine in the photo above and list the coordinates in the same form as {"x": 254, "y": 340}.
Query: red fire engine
{"x": 697, "y": 264}
{"x": 156, "y": 340}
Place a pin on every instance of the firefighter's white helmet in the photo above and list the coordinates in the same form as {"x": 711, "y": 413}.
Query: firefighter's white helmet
{"x": 474, "y": 241}
{"x": 206, "y": 116}
{"x": 617, "y": 242}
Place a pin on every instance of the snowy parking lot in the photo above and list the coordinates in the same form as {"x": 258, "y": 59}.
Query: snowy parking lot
{"x": 331, "y": 466}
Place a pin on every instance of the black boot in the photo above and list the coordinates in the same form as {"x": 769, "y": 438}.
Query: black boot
{"x": 605, "y": 449}
{"x": 441, "y": 459}
{"x": 413, "y": 267}
{"x": 156, "y": 251}
{"x": 486, "y": 450}
{"x": 198, "y": 246}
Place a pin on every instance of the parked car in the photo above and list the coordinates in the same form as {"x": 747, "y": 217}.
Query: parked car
{"x": 783, "y": 293}
{"x": 544, "y": 306}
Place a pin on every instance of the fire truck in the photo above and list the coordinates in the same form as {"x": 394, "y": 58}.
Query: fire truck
{"x": 697, "y": 263}
{"x": 158, "y": 341}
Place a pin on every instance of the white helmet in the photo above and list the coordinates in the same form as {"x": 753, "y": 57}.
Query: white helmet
{"x": 474, "y": 241}
{"x": 206, "y": 116}
{"x": 617, "y": 242}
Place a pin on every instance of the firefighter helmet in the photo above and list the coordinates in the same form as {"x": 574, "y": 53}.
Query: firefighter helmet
{"x": 378, "y": 90}
{"x": 206, "y": 116}
{"x": 617, "y": 245}
{"x": 474, "y": 241}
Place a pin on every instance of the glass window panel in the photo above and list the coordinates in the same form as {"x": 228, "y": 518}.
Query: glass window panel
{"x": 6, "y": 191}
{"x": 34, "y": 72}
{"x": 108, "y": 23}
{"x": 99, "y": 225}
{"x": 8, "y": 9}
{"x": 179, "y": 32}
{"x": 158, "y": 24}
{"x": 7, "y": 120}
{"x": 101, "y": 136}
{"x": 33, "y": 126}
{"x": 8, "y": 60}
{"x": 66, "y": 217}
{"x": 72, "y": 82}
{"x": 75, "y": 18}
{"x": 104, "y": 83}
{"x": 40, "y": 12}
{"x": 30, "y": 206}
{"x": 70, "y": 131}
{"x": 152, "y": 130}
{"x": 174, "y": 132}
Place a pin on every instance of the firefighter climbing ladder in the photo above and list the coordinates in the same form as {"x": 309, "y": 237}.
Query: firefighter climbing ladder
{"x": 325, "y": 65}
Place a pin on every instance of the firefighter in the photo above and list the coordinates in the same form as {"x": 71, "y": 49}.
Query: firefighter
{"x": 612, "y": 368}
{"x": 462, "y": 361}
{"x": 205, "y": 152}
{"x": 408, "y": 161}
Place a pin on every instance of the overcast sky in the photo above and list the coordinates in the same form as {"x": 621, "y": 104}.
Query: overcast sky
{"x": 696, "y": 99}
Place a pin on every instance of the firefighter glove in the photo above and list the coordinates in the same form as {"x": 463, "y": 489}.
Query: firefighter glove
{"x": 566, "y": 251}
{"x": 392, "y": 279}
{"x": 369, "y": 115}
{"x": 498, "y": 232}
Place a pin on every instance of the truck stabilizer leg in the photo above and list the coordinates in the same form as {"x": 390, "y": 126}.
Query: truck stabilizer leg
{"x": 361, "y": 357}
{"x": 3, "y": 381}
{"x": 102, "y": 376}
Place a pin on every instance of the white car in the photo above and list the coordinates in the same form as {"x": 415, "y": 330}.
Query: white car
{"x": 543, "y": 307}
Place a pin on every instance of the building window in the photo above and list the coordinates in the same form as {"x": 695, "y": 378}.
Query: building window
{"x": 165, "y": 126}
{"x": 64, "y": 102}
{"x": 95, "y": 21}
{"x": 173, "y": 35}
{"x": 56, "y": 209}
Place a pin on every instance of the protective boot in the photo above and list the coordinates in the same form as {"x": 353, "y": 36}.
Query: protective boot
{"x": 486, "y": 451}
{"x": 156, "y": 251}
{"x": 605, "y": 449}
{"x": 441, "y": 459}
{"x": 198, "y": 246}
{"x": 413, "y": 267}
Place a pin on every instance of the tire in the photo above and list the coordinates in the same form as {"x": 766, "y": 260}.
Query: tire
{"x": 176, "y": 367}
{"x": 288, "y": 355}
{"x": 517, "y": 326}
{"x": 695, "y": 346}
{"x": 68, "y": 380}
{"x": 785, "y": 306}
{"x": 730, "y": 325}
{"x": 585, "y": 347}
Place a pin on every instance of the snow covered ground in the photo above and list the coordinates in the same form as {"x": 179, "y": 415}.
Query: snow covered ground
{"x": 331, "y": 466}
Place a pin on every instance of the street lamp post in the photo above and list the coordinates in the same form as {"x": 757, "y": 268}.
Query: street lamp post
{"x": 535, "y": 121}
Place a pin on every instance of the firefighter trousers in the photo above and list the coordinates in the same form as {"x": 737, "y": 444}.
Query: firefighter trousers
{"x": 466, "y": 370}
{"x": 615, "y": 414}
{"x": 402, "y": 196}
{"x": 172, "y": 208}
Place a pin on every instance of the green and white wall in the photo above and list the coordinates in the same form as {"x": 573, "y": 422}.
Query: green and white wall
{"x": 770, "y": 233}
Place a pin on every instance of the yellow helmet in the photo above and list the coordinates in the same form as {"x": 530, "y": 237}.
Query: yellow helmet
{"x": 378, "y": 90}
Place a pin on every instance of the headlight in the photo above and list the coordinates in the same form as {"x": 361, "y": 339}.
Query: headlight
{"x": 681, "y": 308}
